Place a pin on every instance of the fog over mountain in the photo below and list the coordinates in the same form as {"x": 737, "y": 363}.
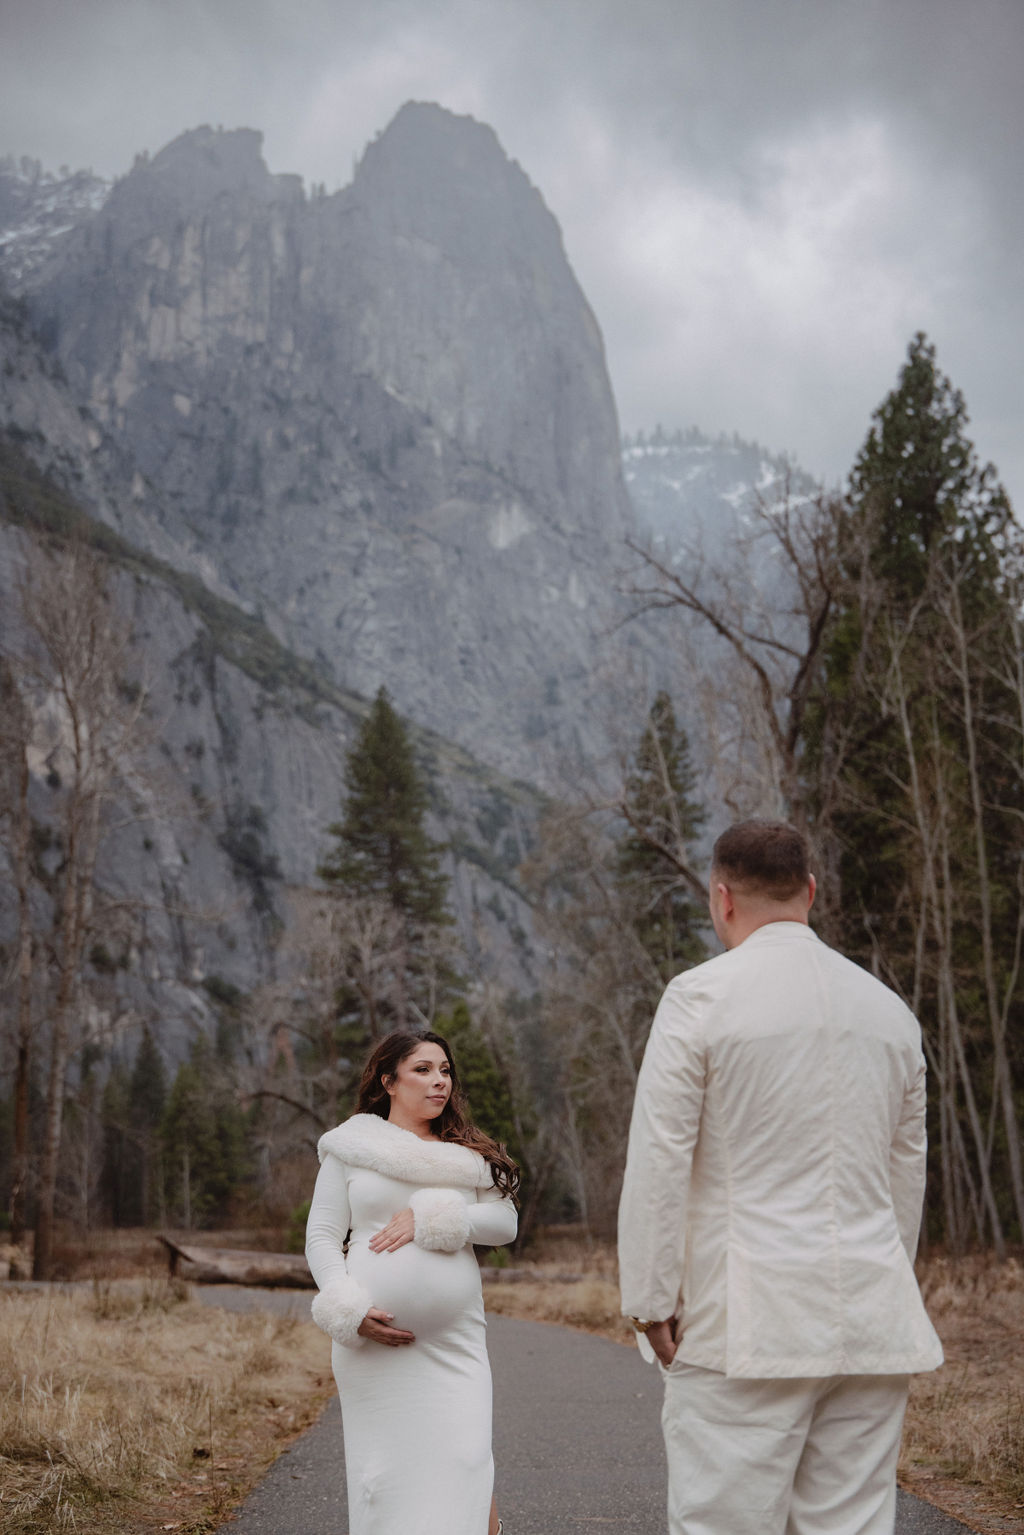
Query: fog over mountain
{"x": 763, "y": 201}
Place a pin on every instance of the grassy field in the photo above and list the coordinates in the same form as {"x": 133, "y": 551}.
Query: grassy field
{"x": 128, "y": 1406}
{"x": 125, "y": 1405}
{"x": 963, "y": 1446}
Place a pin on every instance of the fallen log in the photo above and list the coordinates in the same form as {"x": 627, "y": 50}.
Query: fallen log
{"x": 235, "y": 1265}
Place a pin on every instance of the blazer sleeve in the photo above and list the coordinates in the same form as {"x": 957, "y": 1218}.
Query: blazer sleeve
{"x": 662, "y": 1135}
{"x": 908, "y": 1161}
{"x": 342, "y": 1302}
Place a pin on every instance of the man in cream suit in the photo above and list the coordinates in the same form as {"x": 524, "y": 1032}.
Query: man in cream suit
{"x": 770, "y": 1214}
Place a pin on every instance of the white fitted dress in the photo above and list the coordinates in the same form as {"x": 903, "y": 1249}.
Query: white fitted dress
{"x": 417, "y": 1419}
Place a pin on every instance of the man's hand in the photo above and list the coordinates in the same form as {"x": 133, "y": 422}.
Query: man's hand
{"x": 377, "y": 1326}
{"x": 662, "y": 1338}
{"x": 401, "y": 1228}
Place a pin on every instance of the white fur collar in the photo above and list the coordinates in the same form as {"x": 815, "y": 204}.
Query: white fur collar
{"x": 368, "y": 1141}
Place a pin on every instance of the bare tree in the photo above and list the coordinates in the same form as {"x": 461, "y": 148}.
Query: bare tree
{"x": 339, "y": 957}
{"x": 16, "y": 824}
{"x": 758, "y": 621}
{"x": 69, "y": 669}
{"x": 599, "y": 993}
{"x": 757, "y": 616}
{"x": 999, "y": 989}
{"x": 943, "y": 690}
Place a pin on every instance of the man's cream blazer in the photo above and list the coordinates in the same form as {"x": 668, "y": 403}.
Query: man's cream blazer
{"x": 775, "y": 1174}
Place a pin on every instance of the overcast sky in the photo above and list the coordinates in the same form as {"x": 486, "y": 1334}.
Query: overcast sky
{"x": 763, "y": 199}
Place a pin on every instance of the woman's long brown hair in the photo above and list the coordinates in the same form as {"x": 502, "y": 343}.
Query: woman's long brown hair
{"x": 453, "y": 1123}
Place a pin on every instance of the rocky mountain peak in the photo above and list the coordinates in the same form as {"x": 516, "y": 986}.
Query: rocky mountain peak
{"x": 448, "y": 176}
{"x": 199, "y": 165}
{"x": 194, "y": 172}
{"x": 382, "y": 418}
{"x": 475, "y": 315}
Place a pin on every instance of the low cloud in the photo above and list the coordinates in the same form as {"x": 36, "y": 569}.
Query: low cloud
{"x": 763, "y": 199}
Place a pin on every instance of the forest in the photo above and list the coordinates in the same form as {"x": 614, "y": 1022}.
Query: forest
{"x": 853, "y": 662}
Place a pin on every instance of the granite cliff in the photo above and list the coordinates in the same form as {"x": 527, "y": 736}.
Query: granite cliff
{"x": 225, "y": 808}
{"x": 335, "y": 442}
{"x": 382, "y": 418}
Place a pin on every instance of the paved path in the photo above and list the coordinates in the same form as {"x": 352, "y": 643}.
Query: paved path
{"x": 577, "y": 1443}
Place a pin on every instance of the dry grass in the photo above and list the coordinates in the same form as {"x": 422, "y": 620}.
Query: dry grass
{"x": 591, "y": 1304}
{"x": 128, "y": 1254}
{"x": 963, "y": 1447}
{"x": 131, "y": 1407}
{"x": 128, "y": 1407}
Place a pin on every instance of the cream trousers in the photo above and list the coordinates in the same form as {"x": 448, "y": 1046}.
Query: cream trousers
{"x": 782, "y": 1457}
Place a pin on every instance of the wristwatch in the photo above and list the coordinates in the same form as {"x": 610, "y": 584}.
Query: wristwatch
{"x": 640, "y": 1325}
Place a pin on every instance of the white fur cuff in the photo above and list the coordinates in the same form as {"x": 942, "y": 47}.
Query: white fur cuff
{"x": 441, "y": 1220}
{"x": 339, "y": 1309}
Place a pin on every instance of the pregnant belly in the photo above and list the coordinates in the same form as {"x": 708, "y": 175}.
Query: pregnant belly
{"x": 426, "y": 1291}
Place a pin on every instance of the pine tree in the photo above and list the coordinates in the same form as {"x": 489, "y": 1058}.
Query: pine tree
{"x": 926, "y": 523}
{"x": 148, "y": 1095}
{"x": 383, "y": 849}
{"x": 116, "y": 1182}
{"x": 914, "y": 746}
{"x": 203, "y": 1140}
{"x": 386, "y": 865}
{"x": 486, "y": 1088}
{"x": 131, "y": 1113}
{"x": 664, "y": 818}
{"x": 917, "y": 481}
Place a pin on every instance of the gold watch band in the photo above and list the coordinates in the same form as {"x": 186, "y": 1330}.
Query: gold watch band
{"x": 640, "y": 1325}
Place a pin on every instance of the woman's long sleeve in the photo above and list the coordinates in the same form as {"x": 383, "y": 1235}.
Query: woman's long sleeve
{"x": 342, "y": 1303}
{"x": 492, "y": 1220}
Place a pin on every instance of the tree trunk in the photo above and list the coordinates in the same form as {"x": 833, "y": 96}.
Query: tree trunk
{"x": 1002, "y": 1084}
{"x": 943, "y": 906}
{"x": 42, "y": 1261}
{"x": 82, "y": 837}
{"x": 186, "y": 1189}
{"x": 23, "y": 1064}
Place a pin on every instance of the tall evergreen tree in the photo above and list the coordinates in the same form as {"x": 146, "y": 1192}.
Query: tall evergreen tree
{"x": 927, "y": 523}
{"x": 487, "y": 1091}
{"x": 116, "y": 1183}
{"x": 917, "y": 484}
{"x": 204, "y": 1143}
{"x": 663, "y": 819}
{"x": 914, "y": 748}
{"x": 382, "y": 846}
{"x": 131, "y": 1113}
{"x": 384, "y": 859}
{"x": 147, "y": 1097}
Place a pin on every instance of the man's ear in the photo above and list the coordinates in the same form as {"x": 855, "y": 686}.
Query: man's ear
{"x": 812, "y": 886}
{"x": 727, "y": 904}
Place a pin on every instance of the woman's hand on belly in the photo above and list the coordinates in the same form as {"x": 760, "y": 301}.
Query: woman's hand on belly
{"x": 426, "y": 1291}
{"x": 378, "y": 1327}
{"x": 401, "y": 1228}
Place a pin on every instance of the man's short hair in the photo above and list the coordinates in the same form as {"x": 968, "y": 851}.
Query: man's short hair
{"x": 767, "y": 858}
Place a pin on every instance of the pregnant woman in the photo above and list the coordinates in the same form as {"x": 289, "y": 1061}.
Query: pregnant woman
{"x": 406, "y": 1186}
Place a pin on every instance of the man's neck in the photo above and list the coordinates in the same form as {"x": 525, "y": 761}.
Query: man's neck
{"x": 754, "y": 922}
